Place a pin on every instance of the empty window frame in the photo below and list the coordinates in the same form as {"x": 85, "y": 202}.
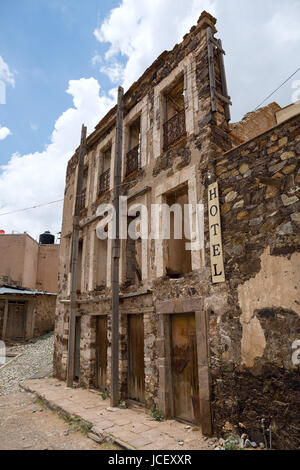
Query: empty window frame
{"x": 104, "y": 178}
{"x": 100, "y": 266}
{"x": 178, "y": 260}
{"x": 133, "y": 255}
{"x": 174, "y": 127}
{"x": 133, "y": 155}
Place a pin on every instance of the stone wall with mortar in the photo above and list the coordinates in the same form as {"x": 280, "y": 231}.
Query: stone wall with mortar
{"x": 251, "y": 335}
{"x": 44, "y": 314}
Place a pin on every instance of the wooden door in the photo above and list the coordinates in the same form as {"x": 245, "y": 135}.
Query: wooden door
{"x": 136, "y": 370}
{"x": 101, "y": 352}
{"x": 185, "y": 368}
{"x": 16, "y": 321}
{"x": 77, "y": 349}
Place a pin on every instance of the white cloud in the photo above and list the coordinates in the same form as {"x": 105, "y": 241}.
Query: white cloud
{"x": 138, "y": 31}
{"x": 5, "y": 74}
{"x": 96, "y": 59}
{"x": 39, "y": 177}
{"x": 261, "y": 40}
{"x": 115, "y": 72}
{"x": 4, "y": 132}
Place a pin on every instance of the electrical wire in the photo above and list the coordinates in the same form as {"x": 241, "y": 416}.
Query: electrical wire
{"x": 32, "y": 207}
{"x": 273, "y": 93}
{"x": 145, "y": 110}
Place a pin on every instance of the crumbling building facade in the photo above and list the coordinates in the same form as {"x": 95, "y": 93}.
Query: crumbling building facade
{"x": 28, "y": 286}
{"x": 215, "y": 352}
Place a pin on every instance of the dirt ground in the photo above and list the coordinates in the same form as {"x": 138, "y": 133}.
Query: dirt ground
{"x": 27, "y": 424}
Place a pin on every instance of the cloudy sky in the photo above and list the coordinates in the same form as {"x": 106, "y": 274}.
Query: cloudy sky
{"x": 62, "y": 60}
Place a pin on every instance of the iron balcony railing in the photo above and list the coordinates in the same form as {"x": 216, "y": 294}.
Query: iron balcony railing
{"x": 132, "y": 160}
{"x": 174, "y": 129}
{"x": 104, "y": 182}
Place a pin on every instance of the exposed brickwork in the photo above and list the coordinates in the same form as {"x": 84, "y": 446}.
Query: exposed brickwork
{"x": 254, "y": 123}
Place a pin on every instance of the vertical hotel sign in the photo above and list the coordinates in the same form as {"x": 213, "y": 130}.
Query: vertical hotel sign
{"x": 216, "y": 250}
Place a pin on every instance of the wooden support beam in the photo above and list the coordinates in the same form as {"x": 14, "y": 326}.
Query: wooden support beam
{"x": 74, "y": 260}
{"x": 211, "y": 65}
{"x": 114, "y": 397}
{"x": 211, "y": 44}
{"x": 224, "y": 82}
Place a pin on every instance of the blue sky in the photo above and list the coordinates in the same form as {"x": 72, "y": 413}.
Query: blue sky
{"x": 62, "y": 60}
{"x": 46, "y": 43}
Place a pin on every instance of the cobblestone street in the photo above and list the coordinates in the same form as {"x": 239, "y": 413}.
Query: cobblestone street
{"x": 131, "y": 428}
{"x": 35, "y": 360}
{"x": 25, "y": 424}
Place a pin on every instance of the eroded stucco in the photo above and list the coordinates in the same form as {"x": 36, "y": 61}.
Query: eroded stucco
{"x": 275, "y": 286}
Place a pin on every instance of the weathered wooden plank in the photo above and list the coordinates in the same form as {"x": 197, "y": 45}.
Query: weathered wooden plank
{"x": 224, "y": 83}
{"x": 74, "y": 259}
{"x": 114, "y": 399}
{"x": 211, "y": 66}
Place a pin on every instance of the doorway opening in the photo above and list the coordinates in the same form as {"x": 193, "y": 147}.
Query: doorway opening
{"x": 77, "y": 349}
{"x": 136, "y": 367}
{"x": 184, "y": 363}
{"x": 101, "y": 352}
{"x": 16, "y": 321}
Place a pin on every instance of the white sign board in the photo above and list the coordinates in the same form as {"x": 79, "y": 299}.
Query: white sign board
{"x": 216, "y": 250}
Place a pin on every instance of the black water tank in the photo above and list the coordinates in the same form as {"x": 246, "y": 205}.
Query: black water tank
{"x": 47, "y": 239}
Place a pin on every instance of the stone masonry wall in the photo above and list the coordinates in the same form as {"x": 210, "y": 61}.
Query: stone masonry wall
{"x": 251, "y": 336}
{"x": 44, "y": 314}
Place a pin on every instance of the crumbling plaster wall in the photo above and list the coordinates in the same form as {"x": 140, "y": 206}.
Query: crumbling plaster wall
{"x": 276, "y": 286}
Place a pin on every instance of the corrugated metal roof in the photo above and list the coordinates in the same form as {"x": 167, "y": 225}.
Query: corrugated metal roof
{"x": 11, "y": 290}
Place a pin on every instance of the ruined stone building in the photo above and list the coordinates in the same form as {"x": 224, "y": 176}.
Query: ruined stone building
{"x": 28, "y": 286}
{"x": 208, "y": 335}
